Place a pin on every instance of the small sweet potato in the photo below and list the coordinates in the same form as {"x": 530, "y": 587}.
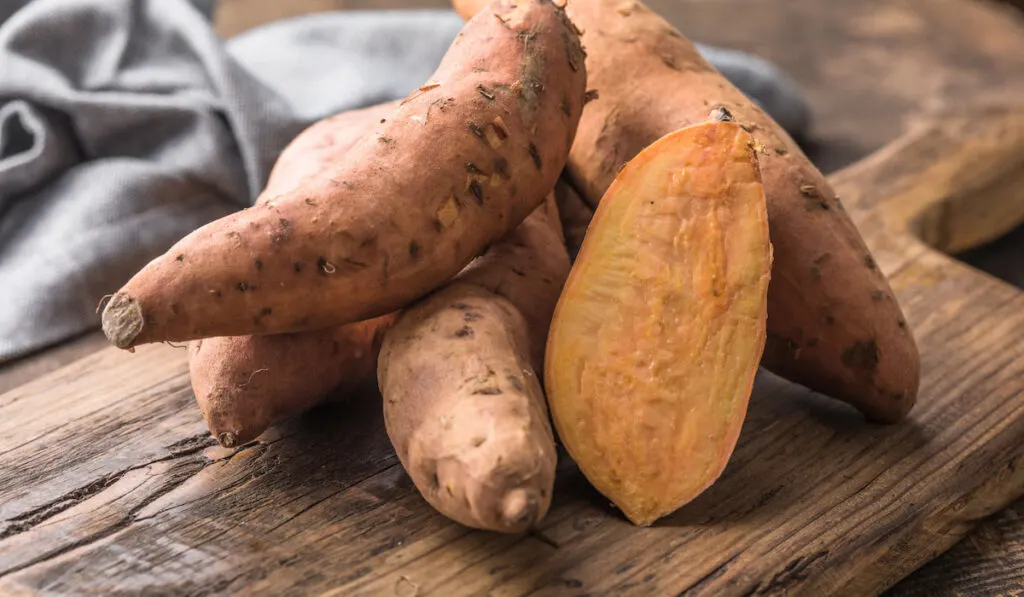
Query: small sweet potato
{"x": 658, "y": 333}
{"x": 462, "y": 402}
{"x": 243, "y": 384}
{"x": 834, "y": 323}
{"x": 458, "y": 164}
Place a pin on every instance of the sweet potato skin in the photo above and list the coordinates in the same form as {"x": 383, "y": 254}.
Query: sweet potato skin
{"x": 660, "y": 327}
{"x": 458, "y": 372}
{"x": 459, "y": 163}
{"x": 243, "y": 384}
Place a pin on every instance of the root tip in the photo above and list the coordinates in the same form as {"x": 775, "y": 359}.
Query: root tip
{"x": 520, "y": 508}
{"x": 122, "y": 320}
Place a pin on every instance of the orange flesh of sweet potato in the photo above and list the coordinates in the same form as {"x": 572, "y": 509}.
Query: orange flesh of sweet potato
{"x": 835, "y": 325}
{"x": 657, "y": 335}
{"x": 462, "y": 402}
{"x": 243, "y": 384}
{"x": 459, "y": 163}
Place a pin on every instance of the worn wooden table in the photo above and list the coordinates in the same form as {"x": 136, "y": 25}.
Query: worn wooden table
{"x": 870, "y": 69}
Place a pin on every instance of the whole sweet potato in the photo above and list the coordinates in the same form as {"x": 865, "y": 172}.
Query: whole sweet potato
{"x": 834, "y": 323}
{"x": 243, "y": 384}
{"x": 658, "y": 333}
{"x": 458, "y": 164}
{"x": 462, "y": 402}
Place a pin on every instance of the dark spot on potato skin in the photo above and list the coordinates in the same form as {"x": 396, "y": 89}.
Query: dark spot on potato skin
{"x": 535, "y": 156}
{"x": 877, "y": 295}
{"x": 501, "y": 167}
{"x": 519, "y": 272}
{"x": 297, "y": 266}
{"x": 174, "y": 308}
{"x": 258, "y": 318}
{"x": 777, "y": 343}
{"x": 464, "y": 332}
{"x": 829, "y": 320}
{"x": 180, "y": 258}
{"x": 216, "y": 293}
{"x": 862, "y": 355}
{"x": 243, "y": 286}
{"x": 471, "y": 316}
{"x": 869, "y": 262}
{"x": 488, "y": 392}
{"x": 414, "y": 249}
{"x": 460, "y": 306}
{"x": 478, "y": 192}
{"x": 516, "y": 383}
{"x": 258, "y": 264}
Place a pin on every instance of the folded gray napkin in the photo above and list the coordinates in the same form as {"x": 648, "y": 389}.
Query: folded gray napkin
{"x": 126, "y": 124}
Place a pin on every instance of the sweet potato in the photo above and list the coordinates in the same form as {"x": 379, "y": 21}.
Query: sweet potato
{"x": 243, "y": 384}
{"x": 460, "y": 162}
{"x": 657, "y": 335}
{"x": 575, "y": 215}
{"x": 462, "y": 402}
{"x": 834, "y": 323}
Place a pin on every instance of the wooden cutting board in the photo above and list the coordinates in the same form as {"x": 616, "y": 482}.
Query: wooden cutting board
{"x": 109, "y": 483}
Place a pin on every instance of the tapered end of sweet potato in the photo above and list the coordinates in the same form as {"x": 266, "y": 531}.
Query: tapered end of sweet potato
{"x": 658, "y": 333}
{"x": 521, "y": 508}
{"x": 122, "y": 320}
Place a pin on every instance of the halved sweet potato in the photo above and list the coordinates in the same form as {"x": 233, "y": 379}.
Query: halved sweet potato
{"x": 659, "y": 330}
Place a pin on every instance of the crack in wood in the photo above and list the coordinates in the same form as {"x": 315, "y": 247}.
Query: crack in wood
{"x": 189, "y": 470}
{"x": 36, "y": 516}
{"x": 794, "y": 572}
{"x": 707, "y": 578}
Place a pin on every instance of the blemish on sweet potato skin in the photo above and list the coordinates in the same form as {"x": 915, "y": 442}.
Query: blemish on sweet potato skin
{"x": 862, "y": 355}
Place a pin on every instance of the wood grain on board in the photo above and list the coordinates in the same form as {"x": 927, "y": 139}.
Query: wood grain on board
{"x": 110, "y": 485}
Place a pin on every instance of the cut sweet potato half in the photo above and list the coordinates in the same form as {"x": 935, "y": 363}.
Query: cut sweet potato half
{"x": 658, "y": 332}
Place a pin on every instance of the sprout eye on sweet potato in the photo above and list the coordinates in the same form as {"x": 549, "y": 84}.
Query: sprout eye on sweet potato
{"x": 658, "y": 332}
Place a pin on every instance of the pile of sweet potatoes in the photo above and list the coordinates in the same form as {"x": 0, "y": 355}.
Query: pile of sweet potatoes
{"x": 428, "y": 241}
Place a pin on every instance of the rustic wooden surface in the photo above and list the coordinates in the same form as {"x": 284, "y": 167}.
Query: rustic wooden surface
{"x": 146, "y": 498}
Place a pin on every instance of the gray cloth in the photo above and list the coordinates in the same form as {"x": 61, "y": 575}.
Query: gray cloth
{"x": 126, "y": 124}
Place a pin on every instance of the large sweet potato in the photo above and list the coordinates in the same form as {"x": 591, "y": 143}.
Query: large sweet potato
{"x": 462, "y": 402}
{"x": 458, "y": 164}
{"x": 657, "y": 335}
{"x": 834, "y": 323}
{"x": 243, "y": 384}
